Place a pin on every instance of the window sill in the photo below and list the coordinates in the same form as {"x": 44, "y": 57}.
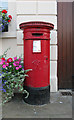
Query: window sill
{"x": 8, "y": 35}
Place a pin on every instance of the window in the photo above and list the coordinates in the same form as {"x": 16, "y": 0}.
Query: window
{"x": 10, "y": 6}
{"x": 3, "y": 5}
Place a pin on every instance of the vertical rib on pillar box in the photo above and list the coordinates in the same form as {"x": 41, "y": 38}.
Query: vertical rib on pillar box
{"x": 37, "y": 57}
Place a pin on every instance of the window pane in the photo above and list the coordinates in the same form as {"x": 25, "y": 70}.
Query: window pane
{"x": 5, "y": 5}
{"x": 0, "y": 5}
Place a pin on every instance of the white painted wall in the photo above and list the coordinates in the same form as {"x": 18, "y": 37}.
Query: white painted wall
{"x": 31, "y": 10}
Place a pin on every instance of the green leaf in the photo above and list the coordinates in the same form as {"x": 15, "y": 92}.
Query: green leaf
{"x": 22, "y": 79}
{"x": 16, "y": 86}
{"x": 12, "y": 85}
{"x": 0, "y": 76}
{"x": 27, "y": 70}
{"x": 25, "y": 75}
{"x": 20, "y": 89}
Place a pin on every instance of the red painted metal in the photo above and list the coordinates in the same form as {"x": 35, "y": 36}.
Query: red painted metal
{"x": 39, "y": 62}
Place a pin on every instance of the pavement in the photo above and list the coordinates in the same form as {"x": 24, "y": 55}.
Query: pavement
{"x": 58, "y": 107}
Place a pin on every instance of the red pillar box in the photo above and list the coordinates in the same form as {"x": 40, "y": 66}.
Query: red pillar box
{"x": 37, "y": 57}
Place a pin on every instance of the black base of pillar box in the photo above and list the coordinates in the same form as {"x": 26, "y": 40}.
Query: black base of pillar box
{"x": 37, "y": 96}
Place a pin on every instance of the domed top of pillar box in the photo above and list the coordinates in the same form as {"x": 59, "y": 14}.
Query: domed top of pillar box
{"x": 36, "y": 24}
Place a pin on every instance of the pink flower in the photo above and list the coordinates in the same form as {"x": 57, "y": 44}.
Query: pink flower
{"x": 7, "y": 64}
{"x": 17, "y": 62}
{"x": 14, "y": 64}
{"x": 17, "y": 68}
{"x": 10, "y": 66}
{"x": 15, "y": 58}
{"x": 19, "y": 59}
{"x": 1, "y": 62}
{"x": 20, "y": 66}
{"x": 3, "y": 59}
{"x": 9, "y": 60}
{"x": 4, "y": 66}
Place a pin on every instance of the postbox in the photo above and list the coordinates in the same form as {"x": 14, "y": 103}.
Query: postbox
{"x": 36, "y": 38}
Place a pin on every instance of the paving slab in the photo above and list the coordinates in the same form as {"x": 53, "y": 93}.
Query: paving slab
{"x": 58, "y": 107}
